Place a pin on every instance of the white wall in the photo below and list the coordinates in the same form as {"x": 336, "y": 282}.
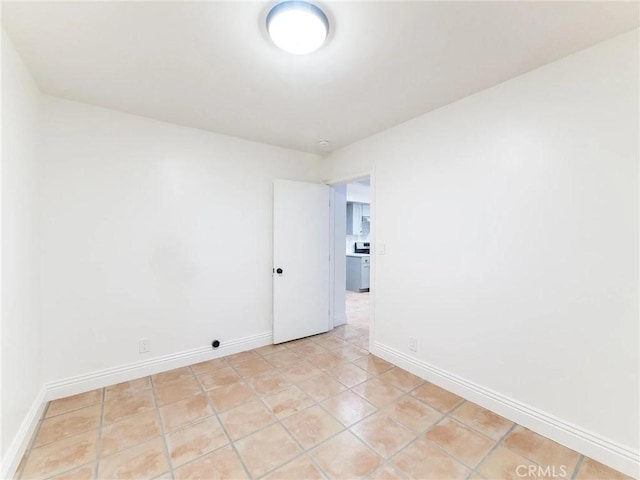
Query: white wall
{"x": 339, "y": 254}
{"x": 152, "y": 230}
{"x": 356, "y": 192}
{"x": 523, "y": 200}
{"x": 21, "y": 340}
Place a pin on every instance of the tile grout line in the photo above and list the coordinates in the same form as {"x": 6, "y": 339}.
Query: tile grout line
{"x": 96, "y": 468}
{"x": 278, "y": 421}
{"x": 316, "y": 403}
{"x": 217, "y": 417}
{"x": 423, "y": 432}
{"x": 535, "y": 462}
{"x": 163, "y": 434}
{"x": 578, "y": 467}
{"x": 348, "y": 428}
{"x": 499, "y": 442}
{"x": 304, "y": 451}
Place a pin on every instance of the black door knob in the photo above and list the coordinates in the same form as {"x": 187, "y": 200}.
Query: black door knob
{"x": 279, "y": 271}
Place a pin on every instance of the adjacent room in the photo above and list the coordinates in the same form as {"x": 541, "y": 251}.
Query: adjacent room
{"x": 320, "y": 240}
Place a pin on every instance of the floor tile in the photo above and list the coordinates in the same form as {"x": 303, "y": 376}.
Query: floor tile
{"x": 237, "y": 358}
{"x": 386, "y": 472}
{"x": 373, "y": 364}
{"x": 302, "y": 468}
{"x": 268, "y": 382}
{"x": 356, "y": 333}
{"x": 141, "y": 462}
{"x": 218, "y": 378}
{"x": 312, "y": 426}
{"x": 223, "y": 464}
{"x": 127, "y": 388}
{"x": 592, "y": 470}
{"x": 350, "y": 352}
{"x": 21, "y": 465}
{"x": 326, "y": 361}
{"x": 269, "y": 349}
{"x": 127, "y": 406}
{"x": 331, "y": 343}
{"x": 267, "y": 449}
{"x": 299, "y": 372}
{"x": 308, "y": 349}
{"x": 401, "y": 379}
{"x": 383, "y": 434}
{"x": 60, "y": 456}
{"x": 540, "y": 450}
{"x": 349, "y": 374}
{"x": 463, "y": 443}
{"x": 284, "y": 359}
{"x": 345, "y": 456}
{"x": 321, "y": 386}
{"x": 437, "y": 397}
{"x": 246, "y": 419}
{"x": 362, "y": 342}
{"x": 413, "y": 414}
{"x": 68, "y": 424}
{"x": 129, "y": 432}
{"x": 172, "y": 392}
{"x": 302, "y": 341}
{"x": 505, "y": 464}
{"x": 252, "y": 367}
{"x": 209, "y": 365}
{"x": 74, "y": 402}
{"x": 482, "y": 420}
{"x": 348, "y": 407}
{"x": 377, "y": 392}
{"x": 195, "y": 440}
{"x": 164, "y": 476}
{"x": 423, "y": 459}
{"x": 171, "y": 375}
{"x": 184, "y": 412}
{"x": 288, "y": 401}
{"x": 229, "y": 396}
{"x": 85, "y": 472}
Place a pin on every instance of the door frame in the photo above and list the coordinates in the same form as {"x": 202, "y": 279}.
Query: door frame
{"x": 373, "y": 258}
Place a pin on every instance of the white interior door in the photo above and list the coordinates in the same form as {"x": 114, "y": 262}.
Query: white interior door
{"x": 301, "y": 248}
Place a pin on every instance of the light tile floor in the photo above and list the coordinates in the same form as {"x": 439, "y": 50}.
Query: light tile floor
{"x": 358, "y": 309}
{"x": 315, "y": 408}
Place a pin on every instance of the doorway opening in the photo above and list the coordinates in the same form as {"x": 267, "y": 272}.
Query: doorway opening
{"x": 352, "y": 259}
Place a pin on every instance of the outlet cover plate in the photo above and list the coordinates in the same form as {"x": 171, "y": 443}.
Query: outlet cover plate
{"x": 143, "y": 345}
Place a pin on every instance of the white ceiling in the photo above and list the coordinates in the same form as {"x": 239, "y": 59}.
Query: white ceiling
{"x": 210, "y": 65}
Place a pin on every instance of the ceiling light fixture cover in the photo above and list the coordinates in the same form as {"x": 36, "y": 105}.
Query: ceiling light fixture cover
{"x": 297, "y": 27}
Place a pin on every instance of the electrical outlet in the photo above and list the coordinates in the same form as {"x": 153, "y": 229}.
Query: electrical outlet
{"x": 143, "y": 345}
{"x": 413, "y": 344}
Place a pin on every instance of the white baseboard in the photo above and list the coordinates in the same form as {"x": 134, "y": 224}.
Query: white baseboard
{"x": 20, "y": 442}
{"x": 131, "y": 371}
{"x": 110, "y": 376}
{"x": 340, "y": 319}
{"x": 604, "y": 450}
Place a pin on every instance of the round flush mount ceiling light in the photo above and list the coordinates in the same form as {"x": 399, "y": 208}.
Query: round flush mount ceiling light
{"x": 297, "y": 27}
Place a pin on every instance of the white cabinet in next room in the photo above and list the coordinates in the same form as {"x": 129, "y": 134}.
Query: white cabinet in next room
{"x": 358, "y": 272}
